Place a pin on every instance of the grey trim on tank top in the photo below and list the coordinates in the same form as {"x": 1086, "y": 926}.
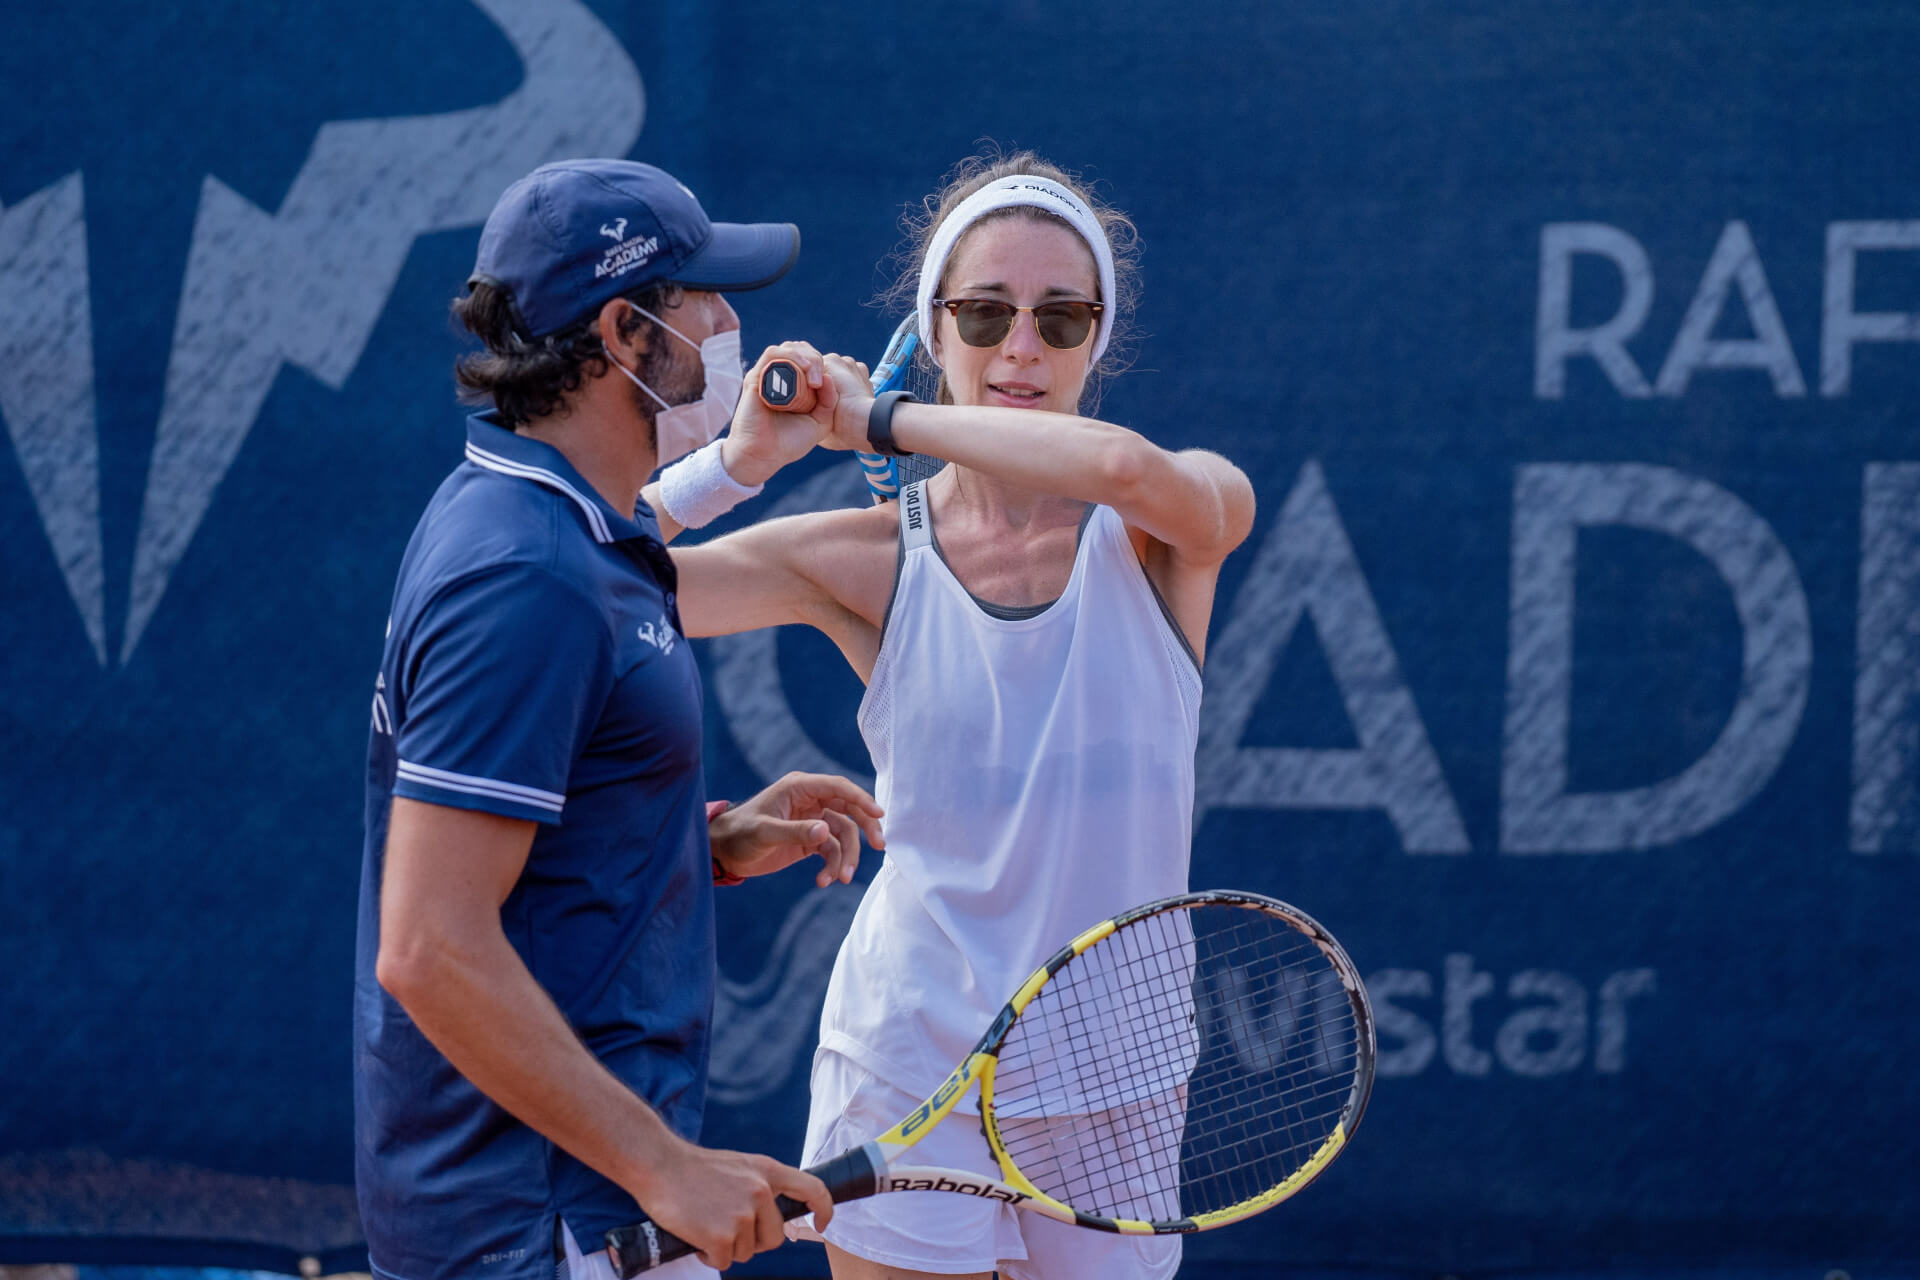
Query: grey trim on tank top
{"x": 1006, "y": 612}
{"x": 1021, "y": 612}
{"x": 899, "y": 564}
{"x": 1179, "y": 633}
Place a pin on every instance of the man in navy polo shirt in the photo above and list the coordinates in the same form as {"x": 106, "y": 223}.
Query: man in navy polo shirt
{"x": 535, "y": 966}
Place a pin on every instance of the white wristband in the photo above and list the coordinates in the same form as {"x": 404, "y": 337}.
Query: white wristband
{"x": 697, "y": 489}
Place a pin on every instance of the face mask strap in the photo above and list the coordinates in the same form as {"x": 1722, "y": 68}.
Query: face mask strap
{"x": 634, "y": 378}
{"x": 663, "y": 324}
{"x": 715, "y": 402}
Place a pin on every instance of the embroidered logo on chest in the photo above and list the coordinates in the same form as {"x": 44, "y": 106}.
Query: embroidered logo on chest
{"x": 661, "y": 635}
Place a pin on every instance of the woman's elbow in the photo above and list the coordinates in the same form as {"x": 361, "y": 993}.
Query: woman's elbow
{"x": 1238, "y": 508}
{"x": 1204, "y": 504}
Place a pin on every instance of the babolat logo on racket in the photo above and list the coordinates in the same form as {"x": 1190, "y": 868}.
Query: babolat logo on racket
{"x": 961, "y": 1077}
{"x": 653, "y": 1243}
{"x": 918, "y": 1118}
{"x": 985, "y": 1190}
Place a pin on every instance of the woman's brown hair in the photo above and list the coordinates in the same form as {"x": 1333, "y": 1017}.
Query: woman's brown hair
{"x": 991, "y": 165}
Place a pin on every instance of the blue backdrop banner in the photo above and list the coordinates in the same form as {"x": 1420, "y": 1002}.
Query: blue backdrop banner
{"x": 1571, "y": 675}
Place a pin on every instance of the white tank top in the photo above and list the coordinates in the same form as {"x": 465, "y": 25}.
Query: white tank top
{"x": 1037, "y": 776}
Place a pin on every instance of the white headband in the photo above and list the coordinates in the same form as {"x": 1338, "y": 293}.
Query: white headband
{"x": 1020, "y": 190}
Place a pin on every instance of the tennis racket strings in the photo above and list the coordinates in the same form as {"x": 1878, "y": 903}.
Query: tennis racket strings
{"x": 1199, "y": 1061}
{"x": 921, "y": 377}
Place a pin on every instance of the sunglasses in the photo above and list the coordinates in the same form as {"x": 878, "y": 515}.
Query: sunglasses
{"x": 985, "y": 322}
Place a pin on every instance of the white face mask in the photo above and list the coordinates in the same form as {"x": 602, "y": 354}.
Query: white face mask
{"x": 679, "y": 429}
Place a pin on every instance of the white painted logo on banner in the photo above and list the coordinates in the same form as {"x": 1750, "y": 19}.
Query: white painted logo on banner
{"x": 303, "y": 286}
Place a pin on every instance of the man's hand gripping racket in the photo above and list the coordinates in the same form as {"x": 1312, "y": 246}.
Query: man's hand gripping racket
{"x": 1184, "y": 1065}
{"x": 783, "y": 389}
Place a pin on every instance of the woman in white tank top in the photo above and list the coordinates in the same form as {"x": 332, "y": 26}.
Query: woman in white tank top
{"x": 1030, "y": 624}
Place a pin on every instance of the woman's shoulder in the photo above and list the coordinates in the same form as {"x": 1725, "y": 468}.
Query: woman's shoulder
{"x": 840, "y": 526}
{"x": 843, "y": 548}
{"x": 850, "y": 525}
{"x": 849, "y": 554}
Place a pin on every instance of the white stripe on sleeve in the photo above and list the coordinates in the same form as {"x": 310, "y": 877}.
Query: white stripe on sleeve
{"x": 447, "y": 780}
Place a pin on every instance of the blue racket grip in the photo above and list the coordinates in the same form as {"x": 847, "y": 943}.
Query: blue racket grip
{"x": 882, "y": 477}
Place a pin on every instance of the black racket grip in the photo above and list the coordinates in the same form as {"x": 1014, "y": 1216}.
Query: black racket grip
{"x": 643, "y": 1246}
{"x": 851, "y": 1175}
{"x": 783, "y": 389}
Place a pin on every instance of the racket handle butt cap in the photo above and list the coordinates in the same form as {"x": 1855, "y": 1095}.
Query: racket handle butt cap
{"x": 783, "y": 390}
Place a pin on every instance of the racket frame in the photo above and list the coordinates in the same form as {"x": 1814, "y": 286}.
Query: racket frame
{"x": 874, "y": 1167}
{"x": 880, "y": 471}
{"x": 879, "y": 1159}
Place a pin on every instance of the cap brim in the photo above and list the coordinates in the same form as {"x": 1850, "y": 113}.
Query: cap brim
{"x": 741, "y": 256}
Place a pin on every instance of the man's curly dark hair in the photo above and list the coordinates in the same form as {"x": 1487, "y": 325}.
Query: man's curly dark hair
{"x": 529, "y": 378}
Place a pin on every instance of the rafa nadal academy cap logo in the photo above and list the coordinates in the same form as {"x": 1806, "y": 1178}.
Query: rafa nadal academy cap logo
{"x": 573, "y": 234}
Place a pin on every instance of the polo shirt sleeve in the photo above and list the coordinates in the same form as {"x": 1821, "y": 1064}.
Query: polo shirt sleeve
{"x": 506, "y": 676}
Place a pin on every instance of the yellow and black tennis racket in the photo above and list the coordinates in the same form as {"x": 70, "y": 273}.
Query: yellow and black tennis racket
{"x": 1182, "y": 1066}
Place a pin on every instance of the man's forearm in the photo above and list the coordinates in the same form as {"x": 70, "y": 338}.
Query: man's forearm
{"x": 480, "y": 1007}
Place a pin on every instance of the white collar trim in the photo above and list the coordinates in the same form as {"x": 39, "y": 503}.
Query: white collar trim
{"x": 596, "y": 518}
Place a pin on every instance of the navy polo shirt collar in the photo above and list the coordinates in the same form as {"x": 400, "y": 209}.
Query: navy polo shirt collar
{"x": 492, "y": 446}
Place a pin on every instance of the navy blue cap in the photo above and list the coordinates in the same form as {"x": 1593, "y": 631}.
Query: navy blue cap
{"x": 571, "y": 235}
